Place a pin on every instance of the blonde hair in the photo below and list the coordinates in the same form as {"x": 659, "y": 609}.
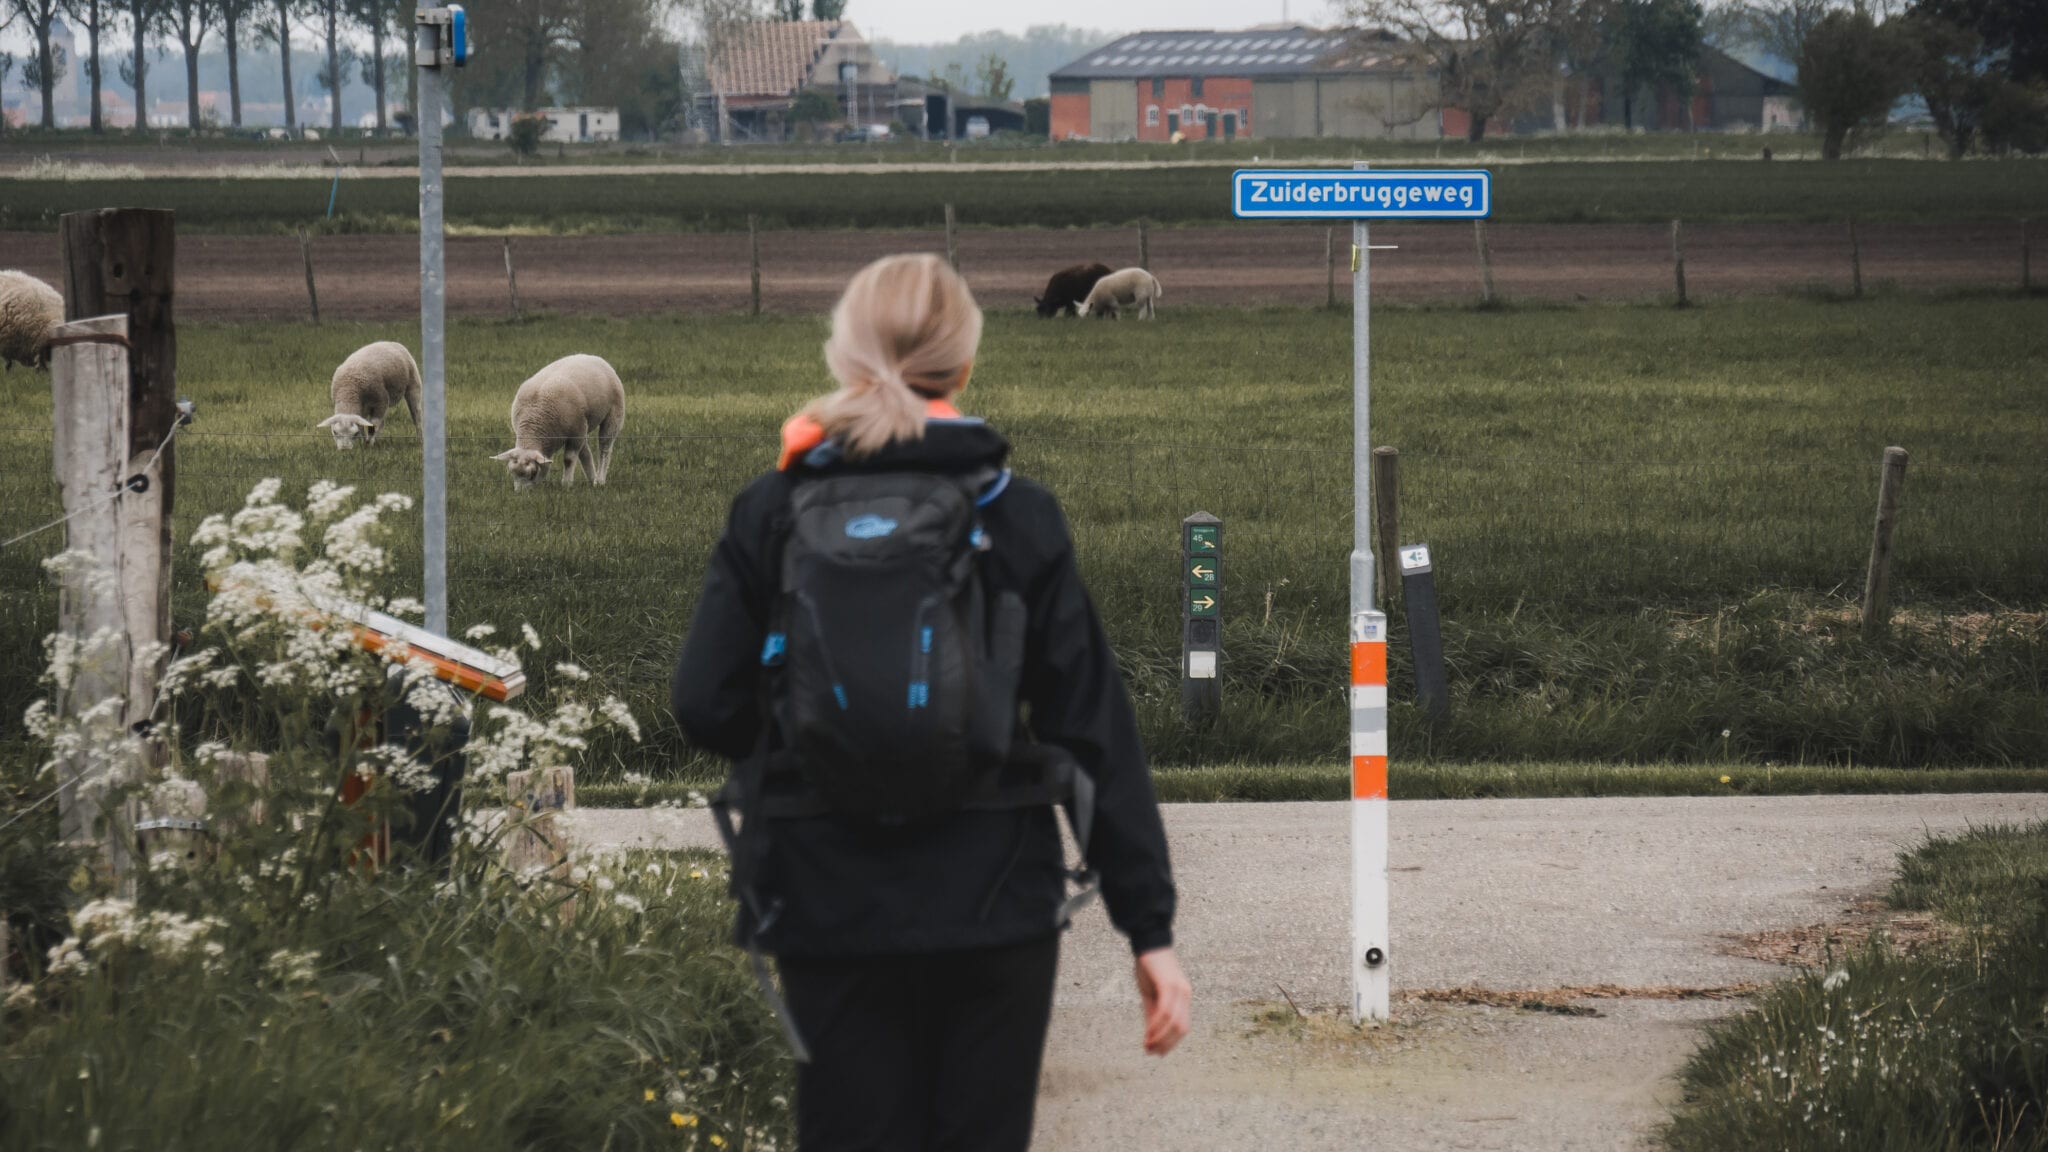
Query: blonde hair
{"x": 904, "y": 332}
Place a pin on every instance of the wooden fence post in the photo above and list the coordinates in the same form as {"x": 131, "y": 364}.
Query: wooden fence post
{"x": 1855, "y": 262}
{"x": 306, "y": 254}
{"x": 1877, "y": 581}
{"x": 1485, "y": 262}
{"x": 952, "y": 239}
{"x": 754, "y": 265}
{"x": 511, "y": 281}
{"x": 1144, "y": 244}
{"x": 1678, "y": 262}
{"x": 1386, "y": 528}
{"x": 119, "y": 262}
{"x": 105, "y": 611}
{"x": 1330, "y": 268}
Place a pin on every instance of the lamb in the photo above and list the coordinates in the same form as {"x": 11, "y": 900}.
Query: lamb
{"x": 555, "y": 410}
{"x": 1131, "y": 287}
{"x": 30, "y": 312}
{"x": 1067, "y": 288}
{"x": 366, "y": 386}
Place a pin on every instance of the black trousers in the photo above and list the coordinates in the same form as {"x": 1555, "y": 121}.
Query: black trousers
{"x": 925, "y": 1052}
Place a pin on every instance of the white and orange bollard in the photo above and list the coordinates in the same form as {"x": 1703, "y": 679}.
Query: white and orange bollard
{"x": 1370, "y": 980}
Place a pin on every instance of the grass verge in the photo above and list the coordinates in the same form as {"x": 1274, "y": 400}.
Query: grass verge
{"x": 1448, "y": 781}
{"x": 1944, "y": 1048}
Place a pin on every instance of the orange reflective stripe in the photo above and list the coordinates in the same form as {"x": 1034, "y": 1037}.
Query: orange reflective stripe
{"x": 1368, "y": 777}
{"x": 460, "y": 675}
{"x": 1369, "y": 662}
{"x": 800, "y": 433}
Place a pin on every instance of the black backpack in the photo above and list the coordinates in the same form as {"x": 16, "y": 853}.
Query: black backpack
{"x": 890, "y": 681}
{"x": 897, "y": 670}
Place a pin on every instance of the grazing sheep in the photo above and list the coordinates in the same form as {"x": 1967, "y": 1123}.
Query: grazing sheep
{"x": 368, "y": 384}
{"x": 1129, "y": 288}
{"x": 1067, "y": 288}
{"x": 30, "y": 311}
{"x": 556, "y": 410}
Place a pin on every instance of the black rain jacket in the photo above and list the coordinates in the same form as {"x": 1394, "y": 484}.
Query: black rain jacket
{"x": 980, "y": 878}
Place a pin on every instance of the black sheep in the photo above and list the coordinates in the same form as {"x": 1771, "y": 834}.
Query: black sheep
{"x": 1068, "y": 287}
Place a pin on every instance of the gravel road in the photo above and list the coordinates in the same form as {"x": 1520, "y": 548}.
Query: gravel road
{"x": 1502, "y": 894}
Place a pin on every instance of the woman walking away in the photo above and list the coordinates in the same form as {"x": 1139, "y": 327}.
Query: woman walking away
{"x": 894, "y": 647}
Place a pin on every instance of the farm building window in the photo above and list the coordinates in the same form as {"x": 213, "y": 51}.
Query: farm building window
{"x": 1158, "y": 87}
{"x": 1197, "y": 93}
{"x": 1152, "y": 116}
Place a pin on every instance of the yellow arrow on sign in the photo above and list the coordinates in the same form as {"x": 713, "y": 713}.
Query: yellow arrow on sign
{"x": 1201, "y": 573}
{"x": 1205, "y": 602}
{"x": 1204, "y": 542}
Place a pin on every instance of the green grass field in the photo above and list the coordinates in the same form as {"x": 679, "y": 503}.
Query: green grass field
{"x": 1649, "y": 524}
{"x": 627, "y": 202}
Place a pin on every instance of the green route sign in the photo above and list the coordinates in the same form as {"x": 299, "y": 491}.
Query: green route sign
{"x": 1201, "y": 604}
{"x": 1202, "y": 573}
{"x": 1204, "y": 539}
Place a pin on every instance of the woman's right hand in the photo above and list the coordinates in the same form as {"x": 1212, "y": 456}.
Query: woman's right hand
{"x": 1168, "y": 997}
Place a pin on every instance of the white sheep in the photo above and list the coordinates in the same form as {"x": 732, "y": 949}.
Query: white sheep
{"x": 368, "y": 384}
{"x": 1127, "y": 288}
{"x": 30, "y": 312}
{"x": 556, "y": 410}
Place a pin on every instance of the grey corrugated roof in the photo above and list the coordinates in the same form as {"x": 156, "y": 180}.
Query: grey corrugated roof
{"x": 1252, "y": 52}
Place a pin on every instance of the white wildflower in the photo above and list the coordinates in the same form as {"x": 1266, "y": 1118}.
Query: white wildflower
{"x": 291, "y": 967}
{"x": 571, "y": 671}
{"x": 532, "y": 637}
{"x": 615, "y": 710}
{"x": 480, "y": 632}
{"x": 630, "y": 903}
{"x": 325, "y": 498}
{"x": 1835, "y": 979}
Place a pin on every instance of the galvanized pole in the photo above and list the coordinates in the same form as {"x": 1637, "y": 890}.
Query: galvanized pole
{"x": 1369, "y": 977}
{"x": 433, "y": 337}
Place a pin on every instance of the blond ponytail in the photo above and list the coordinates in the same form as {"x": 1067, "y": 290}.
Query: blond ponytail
{"x": 905, "y": 331}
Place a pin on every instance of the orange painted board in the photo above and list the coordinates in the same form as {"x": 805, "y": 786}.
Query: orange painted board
{"x": 1369, "y": 662}
{"x": 1368, "y": 777}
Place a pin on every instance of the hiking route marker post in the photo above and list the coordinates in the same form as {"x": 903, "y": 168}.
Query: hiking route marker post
{"x": 1201, "y": 560}
{"x": 1361, "y": 195}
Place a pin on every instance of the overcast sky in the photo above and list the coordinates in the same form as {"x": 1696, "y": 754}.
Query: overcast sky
{"x": 930, "y": 21}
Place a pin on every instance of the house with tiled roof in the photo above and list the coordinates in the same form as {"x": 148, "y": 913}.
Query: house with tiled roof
{"x": 755, "y": 77}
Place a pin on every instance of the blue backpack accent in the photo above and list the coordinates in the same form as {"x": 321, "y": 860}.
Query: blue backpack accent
{"x": 869, "y": 527}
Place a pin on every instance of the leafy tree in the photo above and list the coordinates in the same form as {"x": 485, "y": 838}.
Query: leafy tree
{"x": 789, "y": 9}
{"x": 620, "y": 57}
{"x": 1490, "y": 56}
{"x": 333, "y": 74}
{"x": 6, "y": 69}
{"x": 524, "y": 133}
{"x": 1657, "y": 45}
{"x": 1779, "y": 27}
{"x": 2016, "y": 118}
{"x": 146, "y": 19}
{"x": 92, "y": 16}
{"x": 813, "y": 106}
{"x": 1953, "y": 74}
{"x": 234, "y": 21}
{"x": 42, "y": 70}
{"x": 2014, "y": 31}
{"x": 1583, "y": 38}
{"x": 275, "y": 24}
{"x": 381, "y": 18}
{"x": 1038, "y": 116}
{"x": 828, "y": 9}
{"x": 1851, "y": 71}
{"x": 992, "y": 76}
{"x": 190, "y": 21}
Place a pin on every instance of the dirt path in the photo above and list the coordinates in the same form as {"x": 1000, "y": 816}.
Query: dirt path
{"x": 377, "y": 277}
{"x": 1502, "y": 894}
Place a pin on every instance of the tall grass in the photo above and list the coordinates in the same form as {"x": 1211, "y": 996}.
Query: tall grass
{"x": 1947, "y": 1049}
{"x": 628, "y": 202}
{"x": 1648, "y": 524}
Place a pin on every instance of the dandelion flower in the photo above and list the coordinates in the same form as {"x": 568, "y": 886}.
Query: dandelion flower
{"x": 717, "y": 1141}
{"x": 677, "y": 1119}
{"x": 647, "y": 1095}
{"x": 1727, "y": 779}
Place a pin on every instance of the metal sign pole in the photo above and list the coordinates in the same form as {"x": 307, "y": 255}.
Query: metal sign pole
{"x": 433, "y": 37}
{"x": 1370, "y": 980}
{"x": 1359, "y": 195}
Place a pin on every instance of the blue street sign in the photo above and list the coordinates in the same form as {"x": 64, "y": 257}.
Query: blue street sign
{"x": 1362, "y": 194}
